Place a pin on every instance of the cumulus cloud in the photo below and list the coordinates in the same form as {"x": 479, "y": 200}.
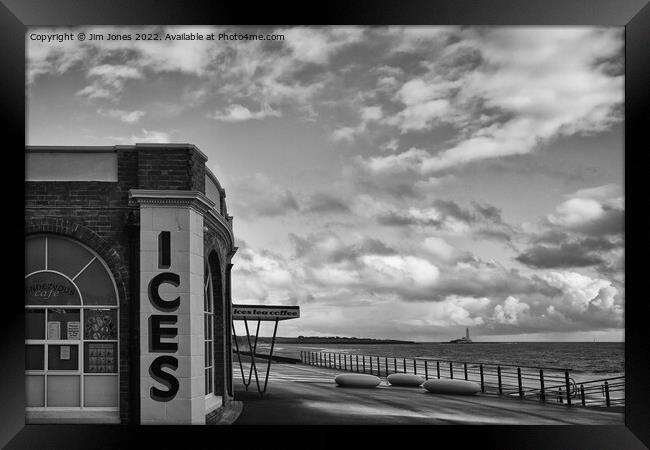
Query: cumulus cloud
{"x": 481, "y": 220}
{"x": 122, "y": 115}
{"x": 258, "y": 195}
{"x": 145, "y": 137}
{"x": 239, "y": 113}
{"x": 510, "y": 311}
{"x": 522, "y": 90}
{"x": 584, "y": 231}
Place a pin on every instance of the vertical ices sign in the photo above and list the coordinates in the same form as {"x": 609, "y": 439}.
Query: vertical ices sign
{"x": 163, "y": 326}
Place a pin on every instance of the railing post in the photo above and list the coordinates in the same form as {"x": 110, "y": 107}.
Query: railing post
{"x": 582, "y": 394}
{"x": 607, "y": 402}
{"x": 379, "y": 367}
{"x": 357, "y": 363}
{"x": 386, "y": 361}
{"x": 404, "y": 364}
{"x": 415, "y": 367}
{"x": 370, "y": 365}
{"x": 482, "y": 383}
{"x": 451, "y": 369}
{"x": 438, "y": 368}
{"x": 542, "y": 394}
{"x": 426, "y": 369}
{"x": 465, "y": 367}
{"x": 568, "y": 387}
{"x": 363, "y": 357}
{"x": 395, "y": 364}
{"x": 521, "y": 392}
{"x": 345, "y": 362}
{"x": 499, "y": 380}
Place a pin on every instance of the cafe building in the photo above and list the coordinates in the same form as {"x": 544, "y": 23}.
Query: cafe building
{"x": 128, "y": 254}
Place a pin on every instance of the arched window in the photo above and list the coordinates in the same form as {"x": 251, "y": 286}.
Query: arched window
{"x": 71, "y": 328}
{"x": 208, "y": 314}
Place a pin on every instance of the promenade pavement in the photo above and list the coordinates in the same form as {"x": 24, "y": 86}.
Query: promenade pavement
{"x": 307, "y": 395}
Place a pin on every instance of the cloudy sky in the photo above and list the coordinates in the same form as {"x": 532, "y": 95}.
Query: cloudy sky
{"x": 400, "y": 182}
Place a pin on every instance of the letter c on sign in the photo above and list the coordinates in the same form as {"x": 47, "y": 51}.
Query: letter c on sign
{"x": 164, "y": 277}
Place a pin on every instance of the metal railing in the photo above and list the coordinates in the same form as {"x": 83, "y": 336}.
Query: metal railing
{"x": 546, "y": 384}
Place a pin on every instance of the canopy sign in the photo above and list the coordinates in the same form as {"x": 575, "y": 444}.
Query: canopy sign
{"x": 264, "y": 312}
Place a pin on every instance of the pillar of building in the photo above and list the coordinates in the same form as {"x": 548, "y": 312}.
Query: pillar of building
{"x": 172, "y": 389}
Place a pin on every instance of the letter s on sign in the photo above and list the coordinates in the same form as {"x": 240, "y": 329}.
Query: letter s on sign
{"x": 166, "y": 378}
{"x": 164, "y": 277}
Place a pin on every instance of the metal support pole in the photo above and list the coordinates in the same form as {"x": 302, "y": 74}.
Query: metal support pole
{"x": 521, "y": 392}
{"x": 386, "y": 362}
{"x": 482, "y": 383}
{"x": 542, "y": 394}
{"x": 268, "y": 366}
{"x": 357, "y": 363}
{"x": 438, "y": 368}
{"x": 371, "y": 365}
{"x": 415, "y": 367}
{"x": 395, "y": 364}
{"x": 465, "y": 367}
{"x": 582, "y": 394}
{"x": 568, "y": 387}
{"x": 363, "y": 357}
{"x": 404, "y": 364}
{"x": 499, "y": 379}
{"x": 451, "y": 370}
{"x": 426, "y": 369}
{"x": 607, "y": 401}
{"x": 241, "y": 366}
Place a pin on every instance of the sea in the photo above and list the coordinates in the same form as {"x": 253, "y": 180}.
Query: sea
{"x": 586, "y": 360}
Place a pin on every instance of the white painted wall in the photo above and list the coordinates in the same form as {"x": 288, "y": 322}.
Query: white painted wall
{"x": 70, "y": 166}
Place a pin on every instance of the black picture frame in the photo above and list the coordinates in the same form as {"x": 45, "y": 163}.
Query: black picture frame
{"x": 15, "y": 15}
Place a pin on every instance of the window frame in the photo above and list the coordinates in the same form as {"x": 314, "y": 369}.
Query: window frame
{"x": 45, "y": 373}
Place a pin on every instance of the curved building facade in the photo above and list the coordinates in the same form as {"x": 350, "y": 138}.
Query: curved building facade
{"x": 127, "y": 286}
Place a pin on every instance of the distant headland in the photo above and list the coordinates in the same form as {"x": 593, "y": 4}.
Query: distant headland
{"x": 328, "y": 340}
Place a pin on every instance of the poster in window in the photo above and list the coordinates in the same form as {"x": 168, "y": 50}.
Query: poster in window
{"x": 100, "y": 324}
{"x": 65, "y": 352}
{"x": 54, "y": 330}
{"x": 74, "y": 330}
{"x": 100, "y": 357}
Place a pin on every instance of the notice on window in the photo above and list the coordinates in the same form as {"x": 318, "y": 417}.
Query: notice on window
{"x": 65, "y": 352}
{"x": 74, "y": 330}
{"x": 54, "y": 330}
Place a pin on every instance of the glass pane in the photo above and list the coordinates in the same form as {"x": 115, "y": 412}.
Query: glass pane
{"x": 100, "y": 357}
{"x": 100, "y": 324}
{"x": 63, "y": 390}
{"x": 64, "y": 324}
{"x": 34, "y": 324}
{"x": 62, "y": 357}
{"x": 96, "y": 286}
{"x": 35, "y": 390}
{"x": 210, "y": 327}
{"x": 34, "y": 357}
{"x": 49, "y": 288}
{"x": 66, "y": 256}
{"x": 34, "y": 254}
{"x": 207, "y": 385}
{"x": 100, "y": 390}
